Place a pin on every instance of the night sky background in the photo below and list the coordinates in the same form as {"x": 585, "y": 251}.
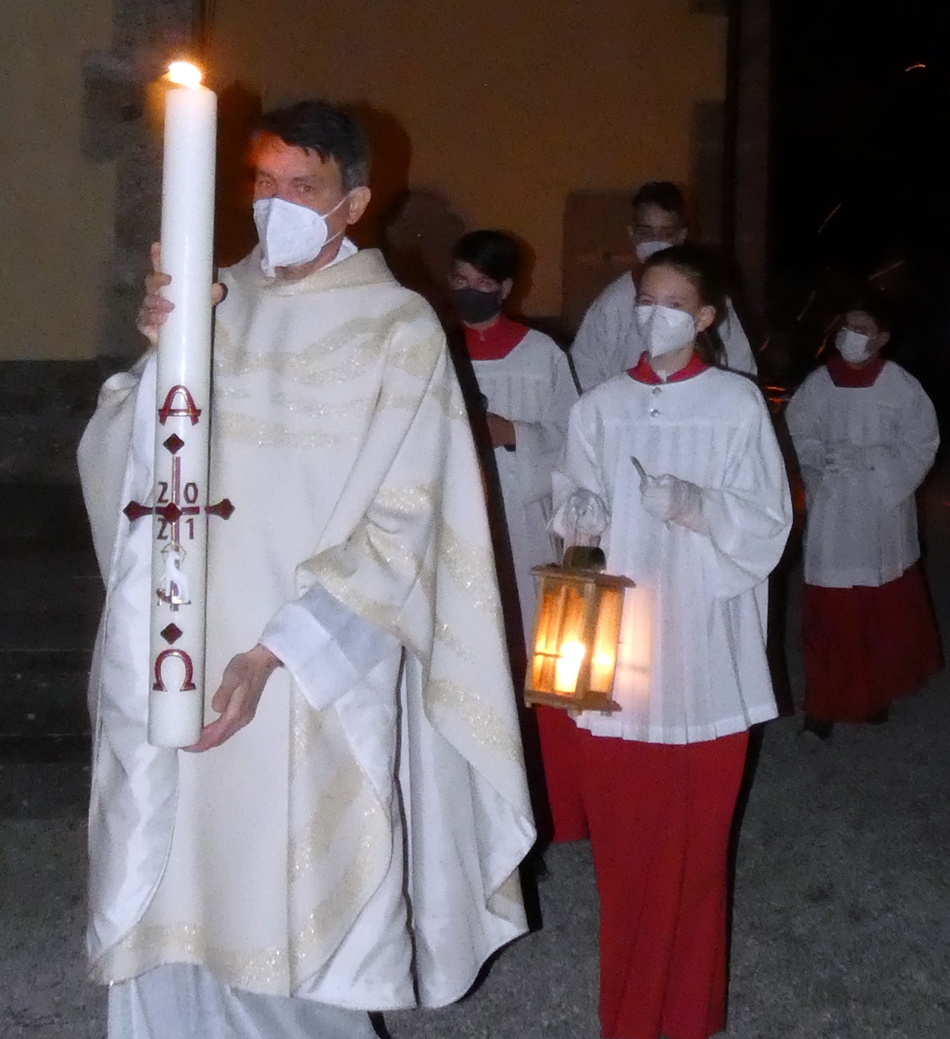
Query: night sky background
{"x": 861, "y": 122}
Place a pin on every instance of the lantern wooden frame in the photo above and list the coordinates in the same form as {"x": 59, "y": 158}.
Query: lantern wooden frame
{"x": 576, "y": 607}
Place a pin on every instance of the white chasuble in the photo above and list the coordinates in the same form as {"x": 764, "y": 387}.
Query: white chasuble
{"x": 608, "y": 343}
{"x": 358, "y": 838}
{"x": 691, "y": 664}
{"x": 532, "y": 388}
{"x": 863, "y": 452}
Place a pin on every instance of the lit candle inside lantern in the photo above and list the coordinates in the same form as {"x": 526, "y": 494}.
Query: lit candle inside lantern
{"x": 179, "y": 548}
{"x": 568, "y": 666}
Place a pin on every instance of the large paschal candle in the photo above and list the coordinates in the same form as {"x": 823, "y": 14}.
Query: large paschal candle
{"x": 183, "y": 404}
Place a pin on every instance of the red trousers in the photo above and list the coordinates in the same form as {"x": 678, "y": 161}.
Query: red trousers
{"x": 659, "y": 817}
{"x": 865, "y": 647}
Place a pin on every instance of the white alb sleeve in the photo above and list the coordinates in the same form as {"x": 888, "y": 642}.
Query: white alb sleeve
{"x": 325, "y": 646}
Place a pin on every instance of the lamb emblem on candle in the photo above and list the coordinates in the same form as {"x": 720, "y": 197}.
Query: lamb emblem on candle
{"x": 174, "y": 587}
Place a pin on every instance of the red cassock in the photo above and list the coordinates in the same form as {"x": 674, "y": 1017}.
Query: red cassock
{"x": 866, "y": 647}
{"x": 868, "y": 630}
{"x": 658, "y": 816}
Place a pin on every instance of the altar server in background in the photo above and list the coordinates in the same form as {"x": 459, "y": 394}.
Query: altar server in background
{"x": 866, "y": 435}
{"x": 527, "y": 392}
{"x": 608, "y": 341}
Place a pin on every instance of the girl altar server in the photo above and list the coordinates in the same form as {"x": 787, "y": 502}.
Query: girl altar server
{"x": 866, "y": 435}
{"x": 684, "y": 457}
{"x": 526, "y": 390}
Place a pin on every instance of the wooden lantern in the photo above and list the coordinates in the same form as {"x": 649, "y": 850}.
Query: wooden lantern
{"x": 575, "y": 637}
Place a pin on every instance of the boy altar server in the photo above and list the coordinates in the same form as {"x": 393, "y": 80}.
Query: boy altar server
{"x": 608, "y": 341}
{"x": 525, "y": 382}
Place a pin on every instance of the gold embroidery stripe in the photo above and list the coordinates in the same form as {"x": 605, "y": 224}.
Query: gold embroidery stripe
{"x": 489, "y": 729}
{"x": 326, "y": 918}
{"x": 447, "y": 636}
{"x": 471, "y": 568}
{"x": 248, "y": 430}
{"x": 313, "y": 842}
{"x": 148, "y": 946}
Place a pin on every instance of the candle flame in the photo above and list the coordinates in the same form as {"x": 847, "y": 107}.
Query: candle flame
{"x": 184, "y": 74}
{"x": 573, "y": 651}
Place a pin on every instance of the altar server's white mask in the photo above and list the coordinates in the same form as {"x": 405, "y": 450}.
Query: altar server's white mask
{"x": 646, "y": 249}
{"x": 665, "y": 329}
{"x": 290, "y": 234}
{"x": 853, "y": 346}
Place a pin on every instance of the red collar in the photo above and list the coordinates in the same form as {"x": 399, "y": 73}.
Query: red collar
{"x": 842, "y": 374}
{"x": 496, "y": 341}
{"x": 644, "y": 373}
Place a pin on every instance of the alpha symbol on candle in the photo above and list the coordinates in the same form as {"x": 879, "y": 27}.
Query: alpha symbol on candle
{"x": 184, "y": 74}
{"x": 189, "y": 411}
{"x": 188, "y": 682}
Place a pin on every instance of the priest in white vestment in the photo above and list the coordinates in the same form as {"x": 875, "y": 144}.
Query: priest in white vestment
{"x": 527, "y": 390}
{"x": 346, "y": 835}
{"x": 608, "y": 342}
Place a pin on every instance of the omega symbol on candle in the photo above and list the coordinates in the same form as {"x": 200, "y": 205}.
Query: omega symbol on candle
{"x": 188, "y": 680}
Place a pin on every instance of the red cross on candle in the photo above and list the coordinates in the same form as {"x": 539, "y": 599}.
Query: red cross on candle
{"x": 170, "y": 506}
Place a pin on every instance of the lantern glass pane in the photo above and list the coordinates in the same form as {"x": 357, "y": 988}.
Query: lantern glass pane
{"x": 547, "y": 626}
{"x": 604, "y": 656}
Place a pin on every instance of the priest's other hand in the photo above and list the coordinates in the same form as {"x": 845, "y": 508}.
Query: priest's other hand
{"x": 238, "y": 695}
{"x": 155, "y": 309}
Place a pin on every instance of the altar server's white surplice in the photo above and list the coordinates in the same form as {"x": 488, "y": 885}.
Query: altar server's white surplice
{"x": 608, "y": 343}
{"x": 692, "y": 663}
{"x": 862, "y": 514}
{"x": 531, "y": 387}
{"x": 360, "y": 838}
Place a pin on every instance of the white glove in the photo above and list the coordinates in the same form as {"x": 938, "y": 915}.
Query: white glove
{"x": 671, "y": 499}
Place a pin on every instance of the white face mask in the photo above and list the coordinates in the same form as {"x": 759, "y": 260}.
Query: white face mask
{"x": 665, "y": 329}
{"x": 646, "y": 249}
{"x": 853, "y": 346}
{"x": 290, "y": 234}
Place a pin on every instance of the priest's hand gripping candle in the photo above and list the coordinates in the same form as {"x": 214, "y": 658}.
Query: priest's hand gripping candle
{"x": 183, "y": 402}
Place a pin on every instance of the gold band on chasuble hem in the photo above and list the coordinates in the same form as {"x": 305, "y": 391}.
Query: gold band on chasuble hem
{"x": 146, "y": 947}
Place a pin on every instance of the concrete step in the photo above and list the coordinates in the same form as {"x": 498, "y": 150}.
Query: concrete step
{"x": 43, "y": 694}
{"x": 50, "y": 599}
